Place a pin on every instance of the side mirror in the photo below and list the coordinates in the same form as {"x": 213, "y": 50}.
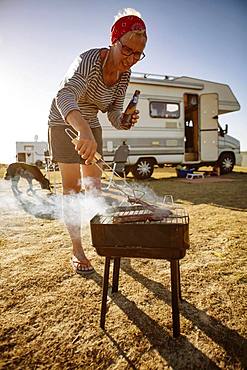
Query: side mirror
{"x": 226, "y": 129}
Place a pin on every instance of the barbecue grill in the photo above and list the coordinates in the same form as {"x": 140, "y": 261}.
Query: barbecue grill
{"x": 137, "y": 232}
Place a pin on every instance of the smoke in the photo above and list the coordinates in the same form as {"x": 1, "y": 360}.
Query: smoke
{"x": 7, "y": 201}
{"x": 142, "y": 192}
{"x": 37, "y": 204}
{"x": 77, "y": 208}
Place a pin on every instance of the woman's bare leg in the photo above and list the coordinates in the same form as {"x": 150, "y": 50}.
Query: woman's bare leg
{"x": 71, "y": 181}
{"x": 92, "y": 179}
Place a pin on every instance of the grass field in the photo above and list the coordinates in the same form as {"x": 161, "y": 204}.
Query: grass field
{"x": 50, "y": 316}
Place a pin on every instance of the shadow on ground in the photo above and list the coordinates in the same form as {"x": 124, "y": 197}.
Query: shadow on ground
{"x": 227, "y": 191}
{"x": 179, "y": 353}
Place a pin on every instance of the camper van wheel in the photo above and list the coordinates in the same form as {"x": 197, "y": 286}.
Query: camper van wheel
{"x": 143, "y": 169}
{"x": 226, "y": 163}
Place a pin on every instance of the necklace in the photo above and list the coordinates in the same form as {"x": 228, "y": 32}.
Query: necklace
{"x": 105, "y": 60}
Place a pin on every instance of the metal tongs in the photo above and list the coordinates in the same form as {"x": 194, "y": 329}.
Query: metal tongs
{"x": 133, "y": 199}
{"x": 98, "y": 159}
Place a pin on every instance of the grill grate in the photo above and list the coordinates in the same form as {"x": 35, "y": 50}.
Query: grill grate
{"x": 177, "y": 216}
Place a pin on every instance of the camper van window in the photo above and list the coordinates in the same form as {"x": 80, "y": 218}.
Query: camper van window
{"x": 160, "y": 109}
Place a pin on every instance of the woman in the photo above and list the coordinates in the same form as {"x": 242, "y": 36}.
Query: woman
{"x": 97, "y": 80}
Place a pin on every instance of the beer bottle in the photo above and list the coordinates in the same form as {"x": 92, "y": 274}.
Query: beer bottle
{"x": 131, "y": 107}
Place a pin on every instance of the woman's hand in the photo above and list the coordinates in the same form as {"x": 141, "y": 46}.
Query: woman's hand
{"x": 86, "y": 145}
{"x": 86, "y": 148}
{"x": 133, "y": 121}
{"x": 134, "y": 117}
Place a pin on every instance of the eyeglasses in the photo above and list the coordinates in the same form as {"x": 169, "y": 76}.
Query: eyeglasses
{"x": 125, "y": 50}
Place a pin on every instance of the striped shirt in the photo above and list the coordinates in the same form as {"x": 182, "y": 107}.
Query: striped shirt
{"x": 83, "y": 89}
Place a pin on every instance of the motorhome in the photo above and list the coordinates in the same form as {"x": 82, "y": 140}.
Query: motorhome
{"x": 31, "y": 152}
{"x": 178, "y": 125}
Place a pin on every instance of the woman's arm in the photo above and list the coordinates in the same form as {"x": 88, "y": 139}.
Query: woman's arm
{"x": 66, "y": 99}
{"x": 69, "y": 94}
{"x": 72, "y": 88}
{"x": 115, "y": 114}
{"x": 87, "y": 145}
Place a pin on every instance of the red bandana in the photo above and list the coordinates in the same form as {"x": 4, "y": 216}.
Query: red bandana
{"x": 124, "y": 25}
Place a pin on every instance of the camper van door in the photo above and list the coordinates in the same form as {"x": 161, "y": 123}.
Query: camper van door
{"x": 209, "y": 127}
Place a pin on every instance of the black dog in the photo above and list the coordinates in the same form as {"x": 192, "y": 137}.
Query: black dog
{"x": 17, "y": 170}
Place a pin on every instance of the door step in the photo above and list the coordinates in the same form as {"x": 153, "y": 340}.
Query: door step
{"x": 192, "y": 176}
{"x": 191, "y": 157}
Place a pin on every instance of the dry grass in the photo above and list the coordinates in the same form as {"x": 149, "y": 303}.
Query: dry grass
{"x": 50, "y": 317}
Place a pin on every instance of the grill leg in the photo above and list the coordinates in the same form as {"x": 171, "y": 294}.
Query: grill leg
{"x": 175, "y": 297}
{"x": 115, "y": 278}
{"x": 179, "y": 283}
{"x": 104, "y": 292}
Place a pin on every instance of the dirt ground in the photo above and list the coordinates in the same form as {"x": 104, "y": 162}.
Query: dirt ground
{"x": 50, "y": 316}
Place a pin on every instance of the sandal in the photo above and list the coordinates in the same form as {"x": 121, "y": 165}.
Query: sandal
{"x": 82, "y": 267}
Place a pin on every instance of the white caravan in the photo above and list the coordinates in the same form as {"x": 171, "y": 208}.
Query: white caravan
{"x": 178, "y": 125}
{"x": 31, "y": 152}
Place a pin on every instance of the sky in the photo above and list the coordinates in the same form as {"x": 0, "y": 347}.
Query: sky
{"x": 205, "y": 39}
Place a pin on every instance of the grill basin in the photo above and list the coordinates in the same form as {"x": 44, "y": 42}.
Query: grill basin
{"x": 145, "y": 237}
{"x": 163, "y": 239}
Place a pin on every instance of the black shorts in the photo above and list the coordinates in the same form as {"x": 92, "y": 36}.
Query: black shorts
{"x": 63, "y": 150}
